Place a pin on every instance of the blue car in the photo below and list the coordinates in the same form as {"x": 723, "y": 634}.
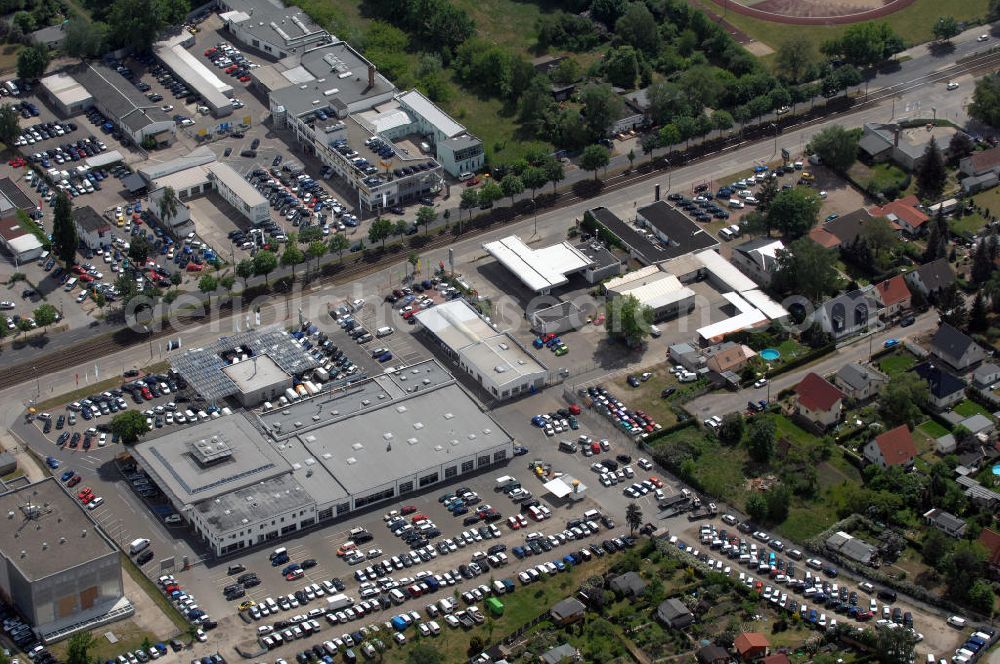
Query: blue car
{"x": 538, "y": 421}
{"x": 520, "y": 450}
{"x": 890, "y": 343}
{"x": 65, "y": 476}
{"x": 52, "y": 462}
{"x": 559, "y": 565}
{"x": 385, "y": 357}
{"x": 460, "y": 511}
{"x": 518, "y": 552}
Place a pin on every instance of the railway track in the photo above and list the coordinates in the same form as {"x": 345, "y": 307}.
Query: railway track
{"x": 106, "y": 344}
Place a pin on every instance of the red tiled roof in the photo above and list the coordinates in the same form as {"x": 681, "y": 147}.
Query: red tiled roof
{"x": 985, "y": 160}
{"x": 897, "y": 446}
{"x": 824, "y": 238}
{"x": 777, "y": 658}
{"x": 816, "y": 393}
{"x": 748, "y": 641}
{"x": 11, "y": 227}
{"x": 904, "y": 209}
{"x": 990, "y": 539}
{"x": 892, "y": 291}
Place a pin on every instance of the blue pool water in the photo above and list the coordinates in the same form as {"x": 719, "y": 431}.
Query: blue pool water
{"x": 770, "y": 354}
{"x": 996, "y": 469}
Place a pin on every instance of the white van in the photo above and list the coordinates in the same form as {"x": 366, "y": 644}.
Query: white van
{"x": 384, "y": 331}
{"x": 957, "y": 621}
{"x": 504, "y": 481}
{"x": 135, "y": 546}
{"x": 280, "y": 551}
{"x": 70, "y": 284}
{"x": 397, "y": 596}
{"x": 726, "y": 234}
{"x": 591, "y": 515}
{"x": 736, "y": 204}
{"x": 735, "y": 230}
{"x": 654, "y": 331}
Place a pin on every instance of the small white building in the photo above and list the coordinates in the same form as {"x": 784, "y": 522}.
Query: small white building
{"x": 239, "y": 193}
{"x": 663, "y": 293}
{"x": 93, "y": 230}
{"x": 494, "y": 359}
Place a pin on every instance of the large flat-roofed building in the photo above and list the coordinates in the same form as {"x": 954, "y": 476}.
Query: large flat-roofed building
{"x": 495, "y": 360}
{"x": 198, "y": 174}
{"x": 255, "y": 477}
{"x": 122, "y": 103}
{"x": 660, "y": 233}
{"x": 273, "y": 358}
{"x": 270, "y": 27}
{"x": 540, "y": 270}
{"x": 214, "y": 92}
{"x": 235, "y": 190}
{"x": 456, "y": 149}
{"x": 66, "y": 94}
{"x": 56, "y": 567}
{"x": 663, "y": 293}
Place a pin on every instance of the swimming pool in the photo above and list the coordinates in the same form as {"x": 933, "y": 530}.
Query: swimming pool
{"x": 770, "y": 354}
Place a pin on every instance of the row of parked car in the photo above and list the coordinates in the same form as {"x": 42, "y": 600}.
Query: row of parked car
{"x": 636, "y": 423}
{"x": 186, "y": 604}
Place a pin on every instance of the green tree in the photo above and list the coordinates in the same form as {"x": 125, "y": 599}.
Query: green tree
{"x": 138, "y": 251}
{"x": 534, "y": 178}
{"x": 594, "y": 158}
{"x": 959, "y": 147}
{"x": 621, "y": 67}
{"x": 31, "y": 62}
{"x": 756, "y": 507}
{"x": 78, "y": 650}
{"x": 761, "y": 438}
{"x": 24, "y": 326}
{"x": 794, "y": 211}
{"x": 936, "y": 546}
{"x": 424, "y": 653}
{"x": 208, "y": 284}
{"x": 895, "y": 646}
{"x": 168, "y": 204}
{"x": 639, "y": 28}
{"x": 628, "y": 320}
{"x": 228, "y": 282}
{"x": 10, "y": 126}
{"x": 902, "y": 400}
{"x": 879, "y": 236}
{"x": 339, "y": 244}
{"x": 865, "y": 44}
{"x": 778, "y": 499}
{"x": 64, "y": 238}
{"x": 937, "y": 239}
{"x": 994, "y": 10}
{"x": 310, "y": 234}
{"x": 981, "y": 597}
{"x": 633, "y": 517}
{"x": 264, "y": 263}
{"x": 836, "y": 146}
{"x": 795, "y": 58}
{"x": 806, "y": 268}
{"x": 945, "y": 28}
{"x": 766, "y": 193}
{"x": 45, "y": 314}
{"x": 733, "y": 426}
{"x": 85, "y": 40}
{"x": 129, "y": 426}
{"x": 722, "y": 120}
{"x": 978, "y": 320}
{"x": 566, "y": 72}
{"x": 426, "y": 216}
{"x": 963, "y": 567}
{"x": 469, "y": 200}
{"x": 648, "y": 144}
{"x": 985, "y": 105}
{"x": 245, "y": 270}
{"x": 380, "y": 230}
{"x": 317, "y": 249}
{"x": 607, "y": 11}
{"x": 931, "y": 174}
{"x": 511, "y": 185}
{"x": 24, "y": 22}
{"x": 401, "y": 227}
{"x": 601, "y": 107}
{"x": 554, "y": 172}
{"x": 292, "y": 255}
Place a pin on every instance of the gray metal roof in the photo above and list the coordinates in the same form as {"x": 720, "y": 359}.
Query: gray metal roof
{"x": 119, "y": 96}
{"x": 203, "y": 367}
{"x": 251, "y": 504}
{"x": 45, "y": 531}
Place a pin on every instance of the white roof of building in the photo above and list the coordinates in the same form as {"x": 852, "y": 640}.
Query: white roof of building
{"x": 431, "y": 113}
{"x": 725, "y": 271}
{"x": 730, "y": 325}
{"x": 247, "y": 193}
{"x": 65, "y": 88}
{"x": 104, "y": 159}
{"x": 456, "y": 324}
{"x": 741, "y": 305}
{"x": 24, "y": 243}
{"x": 182, "y": 180}
{"x": 539, "y": 269}
{"x": 192, "y": 72}
{"x": 561, "y": 487}
{"x": 763, "y": 301}
{"x": 198, "y": 157}
{"x": 618, "y": 283}
{"x": 657, "y": 291}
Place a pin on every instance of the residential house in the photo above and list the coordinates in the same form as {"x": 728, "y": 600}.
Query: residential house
{"x": 986, "y": 375}
{"x": 904, "y": 147}
{"x": 981, "y": 170}
{"x": 629, "y": 584}
{"x": 568, "y": 611}
{"x": 727, "y": 356}
{"x": 847, "y": 314}
{"x": 852, "y": 547}
{"x": 639, "y": 102}
{"x": 978, "y": 494}
{"x": 51, "y": 37}
{"x": 93, "y": 230}
{"x": 758, "y": 258}
{"x": 931, "y": 277}
{"x": 712, "y": 654}
{"x": 673, "y": 613}
{"x": 820, "y": 402}
{"x": 892, "y": 295}
{"x": 895, "y": 447}
{"x": 947, "y": 523}
{"x": 946, "y": 389}
{"x": 751, "y": 645}
{"x": 990, "y": 539}
{"x": 904, "y": 212}
{"x": 860, "y": 382}
{"x": 561, "y": 654}
{"x": 842, "y": 231}
{"x": 956, "y": 348}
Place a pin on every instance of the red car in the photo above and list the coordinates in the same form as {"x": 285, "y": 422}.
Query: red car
{"x": 472, "y": 182}
{"x": 417, "y": 517}
{"x": 73, "y": 481}
{"x": 210, "y": 52}
{"x": 548, "y": 337}
{"x": 86, "y": 495}
{"x": 194, "y": 267}
{"x": 656, "y": 481}
{"x": 171, "y": 588}
{"x": 231, "y": 68}
{"x": 146, "y": 394}
{"x": 574, "y": 408}
{"x": 244, "y": 79}
{"x": 408, "y": 509}
{"x": 295, "y": 574}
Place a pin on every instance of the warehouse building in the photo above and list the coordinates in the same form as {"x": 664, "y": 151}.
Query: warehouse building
{"x": 256, "y": 477}
{"x": 20, "y": 243}
{"x": 235, "y": 190}
{"x": 56, "y": 568}
{"x": 198, "y": 174}
{"x": 660, "y": 233}
{"x": 494, "y": 359}
{"x": 270, "y": 27}
{"x": 214, "y": 92}
{"x": 540, "y": 270}
{"x": 662, "y": 292}
{"x": 122, "y": 103}
{"x": 66, "y": 95}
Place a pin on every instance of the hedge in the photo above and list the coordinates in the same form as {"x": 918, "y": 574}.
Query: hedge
{"x": 803, "y": 360}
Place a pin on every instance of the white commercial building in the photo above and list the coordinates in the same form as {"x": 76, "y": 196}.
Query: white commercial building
{"x": 122, "y": 103}
{"x": 270, "y": 27}
{"x": 214, "y": 92}
{"x": 494, "y": 359}
{"x": 66, "y": 94}
{"x": 754, "y": 308}
{"x": 456, "y": 149}
{"x": 239, "y": 193}
{"x": 663, "y": 293}
{"x": 540, "y": 270}
{"x": 197, "y": 174}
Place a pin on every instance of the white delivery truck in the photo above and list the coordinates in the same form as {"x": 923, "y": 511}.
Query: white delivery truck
{"x": 135, "y": 546}
{"x": 337, "y": 602}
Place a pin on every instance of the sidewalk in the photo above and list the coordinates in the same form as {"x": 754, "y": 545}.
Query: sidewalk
{"x": 25, "y": 461}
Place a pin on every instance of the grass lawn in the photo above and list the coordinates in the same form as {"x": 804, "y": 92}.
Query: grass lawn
{"x": 913, "y": 24}
{"x": 879, "y": 176}
{"x": 130, "y": 637}
{"x": 897, "y": 363}
{"x": 967, "y": 408}
{"x": 719, "y": 470}
{"x": 973, "y": 223}
{"x": 793, "y": 432}
{"x": 93, "y": 388}
{"x": 932, "y": 429}
{"x": 646, "y": 397}
{"x": 159, "y": 598}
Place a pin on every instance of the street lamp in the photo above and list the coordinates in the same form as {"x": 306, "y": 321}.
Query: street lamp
{"x": 534, "y": 208}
